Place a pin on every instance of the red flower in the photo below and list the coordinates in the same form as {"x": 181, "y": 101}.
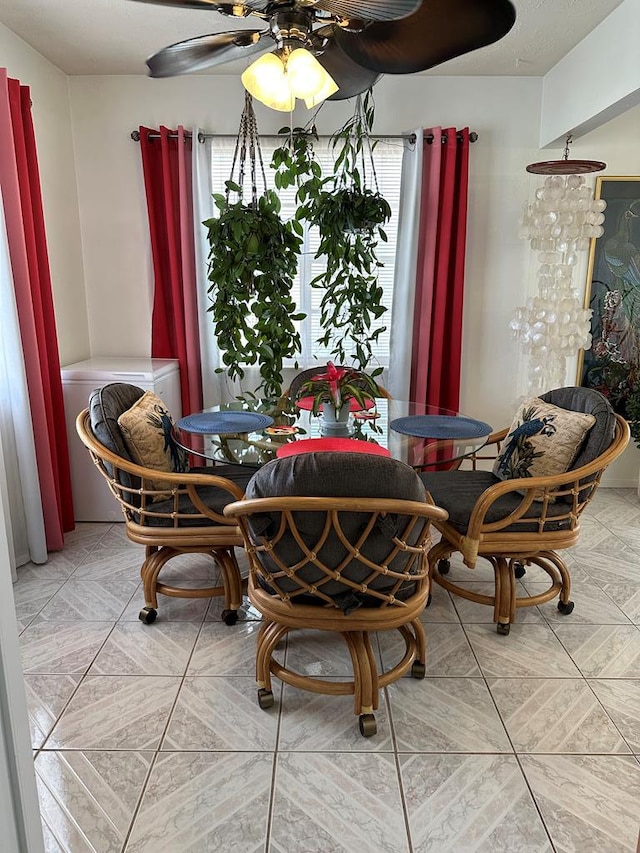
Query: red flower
{"x": 332, "y": 377}
{"x": 337, "y": 385}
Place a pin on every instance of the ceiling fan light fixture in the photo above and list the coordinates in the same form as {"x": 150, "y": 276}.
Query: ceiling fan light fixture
{"x": 277, "y": 79}
{"x": 266, "y": 80}
{"x": 307, "y": 78}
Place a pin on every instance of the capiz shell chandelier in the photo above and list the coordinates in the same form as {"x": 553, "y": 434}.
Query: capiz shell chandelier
{"x": 559, "y": 224}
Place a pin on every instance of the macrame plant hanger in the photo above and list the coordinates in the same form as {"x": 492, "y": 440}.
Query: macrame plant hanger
{"x": 247, "y": 142}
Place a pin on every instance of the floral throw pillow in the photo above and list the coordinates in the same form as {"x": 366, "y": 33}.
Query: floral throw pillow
{"x": 543, "y": 440}
{"x": 147, "y": 429}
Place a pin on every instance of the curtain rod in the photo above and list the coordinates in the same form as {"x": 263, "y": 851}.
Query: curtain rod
{"x": 411, "y": 137}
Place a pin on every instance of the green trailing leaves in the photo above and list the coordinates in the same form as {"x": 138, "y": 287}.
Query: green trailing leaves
{"x": 349, "y": 216}
{"x": 294, "y": 164}
{"x": 253, "y": 259}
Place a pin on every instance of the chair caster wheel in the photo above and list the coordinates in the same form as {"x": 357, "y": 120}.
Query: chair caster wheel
{"x": 519, "y": 569}
{"x": 503, "y": 628}
{"x": 229, "y": 617}
{"x": 428, "y": 600}
{"x": 368, "y": 726}
{"x": 567, "y": 608}
{"x": 147, "y": 615}
{"x": 443, "y": 567}
{"x": 265, "y": 698}
{"x": 418, "y": 669}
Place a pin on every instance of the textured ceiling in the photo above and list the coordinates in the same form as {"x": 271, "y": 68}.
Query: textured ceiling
{"x": 115, "y": 36}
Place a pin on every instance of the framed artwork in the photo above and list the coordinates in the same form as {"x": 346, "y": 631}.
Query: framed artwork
{"x": 612, "y": 365}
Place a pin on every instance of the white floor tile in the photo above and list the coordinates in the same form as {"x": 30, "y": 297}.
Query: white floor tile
{"x": 150, "y": 737}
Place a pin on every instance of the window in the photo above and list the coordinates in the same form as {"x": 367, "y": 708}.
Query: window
{"x": 388, "y": 161}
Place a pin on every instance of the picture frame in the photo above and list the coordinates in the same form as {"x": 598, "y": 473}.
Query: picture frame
{"x": 612, "y": 364}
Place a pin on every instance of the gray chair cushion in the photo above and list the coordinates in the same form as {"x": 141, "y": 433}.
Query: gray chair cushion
{"x": 340, "y": 475}
{"x": 336, "y": 475}
{"x": 600, "y": 436}
{"x": 105, "y": 407}
{"x": 590, "y": 402}
{"x": 106, "y": 404}
{"x": 458, "y": 492}
{"x": 212, "y": 496}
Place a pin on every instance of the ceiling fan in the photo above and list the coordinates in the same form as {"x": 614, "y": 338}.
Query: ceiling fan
{"x": 355, "y": 41}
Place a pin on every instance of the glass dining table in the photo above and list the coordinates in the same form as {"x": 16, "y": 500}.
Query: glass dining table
{"x": 252, "y": 432}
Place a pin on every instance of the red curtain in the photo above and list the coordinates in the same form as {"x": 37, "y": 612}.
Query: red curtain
{"x": 437, "y": 330}
{"x": 21, "y": 194}
{"x": 166, "y": 163}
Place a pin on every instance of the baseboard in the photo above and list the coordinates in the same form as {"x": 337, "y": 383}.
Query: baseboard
{"x": 619, "y": 483}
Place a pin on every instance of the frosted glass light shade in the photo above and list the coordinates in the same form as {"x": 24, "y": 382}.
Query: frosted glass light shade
{"x": 267, "y": 81}
{"x": 329, "y": 86}
{"x": 307, "y": 78}
{"x": 277, "y": 84}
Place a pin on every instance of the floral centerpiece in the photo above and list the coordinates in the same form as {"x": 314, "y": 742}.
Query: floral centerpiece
{"x": 336, "y": 387}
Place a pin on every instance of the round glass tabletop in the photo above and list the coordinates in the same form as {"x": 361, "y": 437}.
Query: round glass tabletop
{"x": 251, "y": 432}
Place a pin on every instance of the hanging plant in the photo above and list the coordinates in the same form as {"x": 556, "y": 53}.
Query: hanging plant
{"x": 253, "y": 259}
{"x": 295, "y": 164}
{"x": 349, "y": 215}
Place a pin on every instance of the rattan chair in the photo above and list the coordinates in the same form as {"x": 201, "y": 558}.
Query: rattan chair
{"x": 187, "y": 519}
{"x": 350, "y": 565}
{"x": 519, "y": 522}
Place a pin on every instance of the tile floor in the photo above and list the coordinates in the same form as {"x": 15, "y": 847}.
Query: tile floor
{"x": 149, "y": 738}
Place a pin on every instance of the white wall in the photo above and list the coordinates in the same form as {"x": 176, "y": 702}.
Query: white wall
{"x": 596, "y": 81}
{"x": 52, "y": 119}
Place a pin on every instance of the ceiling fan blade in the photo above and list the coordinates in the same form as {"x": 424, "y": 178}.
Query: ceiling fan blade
{"x": 234, "y": 10}
{"x": 352, "y": 79}
{"x": 440, "y": 30}
{"x": 189, "y": 4}
{"x": 369, "y": 10}
{"x": 195, "y": 54}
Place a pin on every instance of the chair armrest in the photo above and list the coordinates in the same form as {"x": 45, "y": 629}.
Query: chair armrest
{"x": 156, "y": 497}
{"x": 547, "y": 489}
{"x": 182, "y": 499}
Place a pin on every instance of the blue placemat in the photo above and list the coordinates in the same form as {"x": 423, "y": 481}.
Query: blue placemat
{"x": 441, "y": 426}
{"x": 212, "y": 423}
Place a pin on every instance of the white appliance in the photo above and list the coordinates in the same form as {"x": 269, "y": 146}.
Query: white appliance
{"x": 92, "y": 500}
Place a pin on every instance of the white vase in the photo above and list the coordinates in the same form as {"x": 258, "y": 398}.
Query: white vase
{"x": 335, "y": 422}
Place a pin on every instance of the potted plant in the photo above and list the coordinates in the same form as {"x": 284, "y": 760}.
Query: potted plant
{"x": 333, "y": 391}
{"x": 349, "y": 216}
{"x": 253, "y": 259}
